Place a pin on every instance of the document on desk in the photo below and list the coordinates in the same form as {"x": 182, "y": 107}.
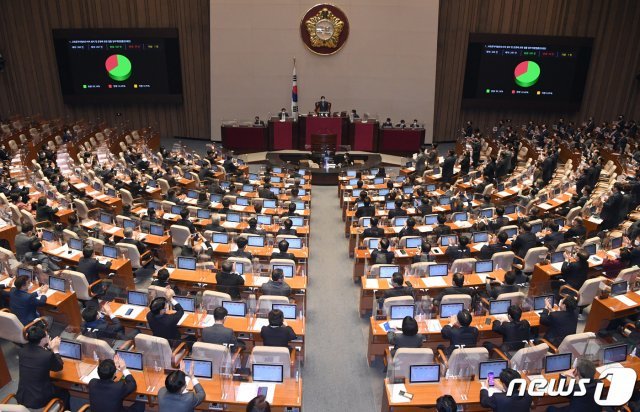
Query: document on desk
{"x": 483, "y": 276}
{"x": 425, "y": 228}
{"x": 479, "y": 246}
{"x": 6, "y": 282}
{"x": 544, "y": 206}
{"x": 371, "y": 284}
{"x": 625, "y": 300}
{"x": 183, "y": 318}
{"x": 50, "y": 293}
{"x": 462, "y": 224}
{"x": 90, "y": 222}
{"x": 93, "y": 375}
{"x": 259, "y": 323}
{"x": 249, "y": 390}
{"x": 207, "y": 321}
{"x": 504, "y": 193}
{"x": 257, "y": 280}
{"x": 169, "y": 216}
{"x": 112, "y": 230}
{"x": 434, "y": 325}
{"x": 434, "y": 282}
{"x": 135, "y": 311}
{"x": 557, "y": 266}
{"x": 395, "y": 390}
{"x": 595, "y": 220}
{"x": 60, "y": 250}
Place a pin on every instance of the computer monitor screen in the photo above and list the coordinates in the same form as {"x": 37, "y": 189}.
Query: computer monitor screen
{"x": 220, "y": 238}
{"x": 156, "y": 230}
{"x": 242, "y": 201}
{"x": 193, "y": 194}
{"x": 25, "y": 272}
{"x": 217, "y": 198}
{"x": 440, "y": 269}
{"x": 373, "y": 243}
{"x": 261, "y": 372}
{"x": 203, "y": 214}
{"x": 484, "y": 266}
{"x": 590, "y": 249}
{"x": 387, "y": 271}
{"x": 111, "y": 193}
{"x": 424, "y": 373}
{"x": 264, "y": 219}
{"x": 256, "y": 241}
{"x": 616, "y": 242}
{"x": 431, "y": 188}
{"x": 56, "y": 283}
{"x": 295, "y": 243}
{"x": 480, "y": 237}
{"x": 235, "y": 308}
{"x": 500, "y": 187}
{"x": 269, "y": 204}
{"x": 487, "y": 213}
{"x": 137, "y": 298}
{"x": 154, "y": 205}
{"x": 133, "y": 360}
{"x": 378, "y": 180}
{"x": 366, "y": 222}
{"x": 152, "y": 183}
{"x": 511, "y": 232}
{"x": 401, "y": 311}
{"x": 447, "y": 240}
{"x": 277, "y": 170}
{"x": 187, "y": 175}
{"x": 559, "y": 222}
{"x": 48, "y": 235}
{"x": 494, "y": 366}
{"x": 539, "y": 302}
{"x": 619, "y": 288}
{"x": 233, "y": 217}
{"x": 289, "y": 310}
{"x": 351, "y": 173}
{"x": 176, "y": 209}
{"x": 300, "y": 205}
{"x": 287, "y": 270}
{"x": 353, "y": 182}
{"x": 297, "y": 221}
{"x": 413, "y": 242}
{"x": 557, "y": 257}
{"x": 383, "y": 192}
{"x": 617, "y": 353}
{"x": 247, "y": 188}
{"x": 129, "y": 224}
{"x": 187, "y": 263}
{"x": 444, "y": 200}
{"x": 449, "y": 309}
{"x": 557, "y": 363}
{"x": 499, "y": 307}
{"x": 431, "y": 220}
{"x": 400, "y": 221}
{"x": 356, "y": 192}
{"x": 201, "y": 368}
{"x": 75, "y": 244}
{"x": 188, "y": 304}
{"x": 510, "y": 209}
{"x": 253, "y": 176}
{"x": 536, "y": 227}
{"x": 390, "y": 205}
{"x": 460, "y": 217}
{"x": 407, "y": 190}
{"x": 71, "y": 350}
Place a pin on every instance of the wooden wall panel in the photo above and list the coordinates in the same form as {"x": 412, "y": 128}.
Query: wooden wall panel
{"x": 29, "y": 83}
{"x": 611, "y": 87}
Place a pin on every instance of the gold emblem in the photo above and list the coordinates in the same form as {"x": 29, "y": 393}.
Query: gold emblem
{"x": 324, "y": 29}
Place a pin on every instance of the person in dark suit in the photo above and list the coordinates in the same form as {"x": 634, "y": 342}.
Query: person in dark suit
{"x": 382, "y": 254}
{"x": 37, "y": 257}
{"x": 509, "y": 286}
{"x": 489, "y": 170}
{"x": 184, "y": 221}
{"x": 524, "y": 241}
{"x": 458, "y": 332}
{"x": 366, "y": 210}
{"x": 174, "y": 398}
{"x": 409, "y": 338}
{"x": 465, "y": 163}
{"x": 562, "y": 322}
{"x": 446, "y": 403}
{"x": 502, "y": 167}
{"x": 253, "y": 228}
{"x": 265, "y": 193}
{"x": 107, "y": 395}
{"x": 23, "y": 241}
{"x": 215, "y": 225}
{"x": 496, "y": 244}
{"x": 276, "y": 286}
{"x": 128, "y": 238}
{"x": 425, "y": 254}
{"x": 288, "y": 228}
{"x": 160, "y": 322}
{"x": 323, "y": 106}
{"x": 277, "y": 333}
{"x": 283, "y": 247}
{"x": 575, "y": 273}
{"x": 547, "y": 169}
{"x": 387, "y": 123}
{"x": 441, "y": 228}
{"x": 24, "y": 304}
{"x": 409, "y": 229}
{"x": 610, "y": 213}
{"x": 36, "y": 359}
{"x": 228, "y": 281}
{"x": 241, "y": 242}
{"x": 90, "y": 267}
{"x": 457, "y": 289}
{"x": 577, "y": 229}
{"x": 44, "y": 212}
{"x": 513, "y": 332}
{"x": 220, "y": 334}
{"x": 398, "y": 210}
{"x": 460, "y": 251}
{"x": 373, "y": 230}
{"x": 499, "y": 221}
{"x": 447, "y": 166}
{"x": 552, "y": 239}
{"x": 499, "y": 401}
{"x": 584, "y": 369}
{"x": 95, "y": 322}
{"x": 397, "y": 288}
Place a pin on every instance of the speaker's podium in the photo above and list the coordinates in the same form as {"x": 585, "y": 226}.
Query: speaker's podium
{"x": 283, "y": 134}
{"x": 332, "y": 131}
{"x": 364, "y": 135}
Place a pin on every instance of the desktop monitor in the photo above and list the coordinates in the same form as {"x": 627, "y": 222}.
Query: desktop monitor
{"x": 187, "y": 175}
{"x": 187, "y": 263}
{"x": 616, "y": 242}
{"x": 201, "y": 368}
{"x": 156, "y": 230}
{"x": 133, "y": 360}
{"x": 557, "y": 257}
{"x": 26, "y": 272}
{"x": 216, "y": 198}
{"x": 616, "y": 353}
{"x": 294, "y": 243}
{"x": 297, "y": 221}
{"x": 413, "y": 242}
{"x": 390, "y": 205}
{"x": 152, "y": 184}
{"x": 557, "y": 363}
{"x": 536, "y": 227}
{"x": 71, "y": 350}
{"x": 487, "y": 213}
{"x": 386, "y": 272}
{"x": 484, "y": 266}
{"x": 511, "y": 232}
{"x": 510, "y": 209}
{"x": 353, "y": 182}
{"x": 480, "y": 237}
{"x": 275, "y": 190}
{"x": 111, "y": 193}
{"x": 287, "y": 270}
{"x": 431, "y": 219}
{"x": 439, "y": 269}
{"x": 401, "y": 311}
{"x": 242, "y": 201}
{"x": 247, "y": 188}
{"x": 444, "y": 200}
{"x": 235, "y": 308}
{"x": 222, "y": 238}
{"x": 203, "y": 214}
{"x": 137, "y": 298}
{"x": 407, "y": 190}
{"x": 75, "y": 244}
{"x": 430, "y": 188}
{"x": 378, "y": 180}
{"x": 57, "y": 284}
{"x": 460, "y": 217}
{"x": 276, "y": 179}
{"x": 383, "y": 192}
{"x": 261, "y": 372}
{"x": 446, "y": 240}
{"x": 253, "y": 176}
{"x": 129, "y": 224}
{"x": 366, "y": 222}
{"x": 188, "y": 304}
{"x": 356, "y": 192}
{"x": 619, "y": 288}
{"x": 374, "y": 171}
{"x": 176, "y": 209}
{"x": 499, "y": 307}
{"x": 255, "y": 241}
{"x": 373, "y": 243}
{"x": 48, "y": 235}
{"x": 154, "y": 205}
{"x": 276, "y": 170}
{"x": 424, "y": 373}
{"x": 264, "y": 219}
{"x": 289, "y": 310}
{"x": 449, "y": 309}
{"x": 193, "y": 194}
{"x": 233, "y": 217}
{"x": 496, "y": 367}
{"x": 300, "y": 205}
{"x": 560, "y": 222}
{"x": 540, "y": 302}
{"x": 590, "y": 249}
{"x": 351, "y": 173}
{"x": 269, "y": 204}
{"x": 400, "y": 221}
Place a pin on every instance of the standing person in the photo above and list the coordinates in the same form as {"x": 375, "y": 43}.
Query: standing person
{"x": 107, "y": 395}
{"x": 174, "y": 398}
{"x": 160, "y": 322}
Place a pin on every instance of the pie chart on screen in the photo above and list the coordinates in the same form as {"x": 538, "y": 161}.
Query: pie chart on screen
{"x": 118, "y": 67}
{"x": 526, "y": 73}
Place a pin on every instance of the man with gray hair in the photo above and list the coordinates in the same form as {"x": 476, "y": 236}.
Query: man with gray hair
{"x": 128, "y": 238}
{"x": 215, "y": 224}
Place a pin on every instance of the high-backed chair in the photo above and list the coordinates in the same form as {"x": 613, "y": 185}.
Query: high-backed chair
{"x": 180, "y": 235}
{"x": 275, "y": 356}
{"x": 464, "y": 265}
{"x": 403, "y": 240}
{"x": 566, "y": 246}
{"x": 80, "y": 285}
{"x": 529, "y": 358}
{"x": 54, "y": 405}
{"x": 12, "y": 329}
{"x": 503, "y": 260}
{"x": 375, "y": 269}
{"x": 157, "y": 291}
{"x": 98, "y": 346}
{"x": 247, "y": 264}
{"x": 578, "y": 344}
{"x": 82, "y": 210}
{"x": 534, "y": 256}
{"x": 69, "y": 234}
{"x": 629, "y": 274}
{"x": 10, "y": 260}
{"x": 212, "y": 299}
{"x": 137, "y": 261}
{"x": 463, "y": 362}
{"x": 588, "y": 291}
{"x": 401, "y": 362}
{"x": 219, "y": 355}
{"x": 396, "y": 300}
{"x": 265, "y": 302}
{"x": 516, "y": 298}
{"x": 160, "y": 348}
{"x": 420, "y": 268}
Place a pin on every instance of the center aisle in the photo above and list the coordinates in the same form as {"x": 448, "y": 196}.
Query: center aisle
{"x": 336, "y": 375}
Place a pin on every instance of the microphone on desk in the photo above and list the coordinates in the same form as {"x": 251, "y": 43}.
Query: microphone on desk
{"x": 490, "y": 278}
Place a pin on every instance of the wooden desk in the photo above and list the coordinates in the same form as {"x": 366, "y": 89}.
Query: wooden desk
{"x": 542, "y": 275}
{"x": 9, "y": 233}
{"x": 605, "y": 310}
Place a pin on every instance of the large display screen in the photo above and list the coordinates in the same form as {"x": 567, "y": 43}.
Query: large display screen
{"x": 119, "y": 65}
{"x": 527, "y": 72}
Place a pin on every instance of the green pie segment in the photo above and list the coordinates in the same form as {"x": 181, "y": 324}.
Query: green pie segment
{"x": 526, "y": 73}
{"x": 118, "y": 67}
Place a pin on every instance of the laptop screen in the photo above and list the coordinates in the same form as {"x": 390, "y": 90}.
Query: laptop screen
{"x": 203, "y": 214}
{"x": 449, "y": 309}
{"x": 378, "y": 180}
{"x": 133, "y": 360}
{"x": 387, "y": 271}
{"x": 176, "y": 209}
{"x": 187, "y": 263}
{"x": 287, "y": 270}
{"x": 269, "y": 204}
{"x": 242, "y": 201}
{"x": 289, "y": 310}
{"x": 619, "y": 288}
{"x": 256, "y": 241}
{"x": 480, "y": 237}
{"x": 233, "y": 217}
{"x": 201, "y": 368}
{"x": 400, "y": 221}
{"x": 126, "y": 223}
{"x": 294, "y": 243}
{"x": 557, "y": 257}
{"x": 351, "y": 173}
{"x": 390, "y": 205}
{"x": 193, "y": 194}
{"x": 261, "y": 372}
{"x": 56, "y": 284}
{"x": 188, "y": 304}
{"x": 447, "y": 240}
{"x": 110, "y": 251}
{"x": 440, "y": 269}
{"x": 424, "y": 373}
{"x": 220, "y": 238}
{"x": 488, "y": 213}
{"x": 431, "y": 220}
{"x": 617, "y": 353}
{"x": 239, "y": 267}
{"x": 431, "y": 188}
{"x": 373, "y": 243}
{"x": 495, "y": 366}
{"x": 247, "y": 188}
{"x": 616, "y": 242}
{"x": 25, "y": 272}
{"x": 71, "y": 350}
{"x": 297, "y": 221}
{"x": 460, "y": 217}
{"x": 48, "y": 235}
{"x": 75, "y": 244}
{"x": 401, "y": 311}
{"x": 214, "y": 197}
{"x": 407, "y": 190}
{"x": 444, "y": 200}
{"x": 156, "y": 230}
{"x": 235, "y": 308}
{"x": 557, "y": 363}
{"x": 264, "y": 219}
{"x": 511, "y": 232}
{"x": 484, "y": 266}
{"x": 137, "y": 298}
{"x": 499, "y": 307}
{"x": 510, "y": 209}
{"x": 590, "y": 249}
{"x": 413, "y": 242}
{"x": 539, "y": 302}
{"x": 536, "y": 227}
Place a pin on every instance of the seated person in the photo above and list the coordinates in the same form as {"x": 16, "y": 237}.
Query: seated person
{"x": 107, "y": 393}
{"x": 184, "y": 221}
{"x": 277, "y": 333}
{"x": 398, "y": 210}
{"x": 382, "y": 253}
{"x": 583, "y": 369}
{"x": 220, "y": 334}
{"x": 577, "y": 229}
{"x": 398, "y": 288}
{"x": 496, "y": 244}
{"x": 366, "y": 210}
{"x": 509, "y": 285}
{"x": 409, "y": 229}
{"x": 215, "y": 224}
{"x": 458, "y": 288}
{"x": 162, "y": 280}
{"x": 575, "y": 273}
{"x": 441, "y": 228}
{"x": 283, "y": 247}
{"x": 276, "y": 285}
{"x": 425, "y": 254}
{"x": 75, "y": 227}
{"x": 459, "y": 251}
{"x": 446, "y": 403}
{"x": 44, "y": 212}
{"x": 373, "y": 230}
{"x": 499, "y": 221}
{"x": 161, "y": 323}
{"x": 513, "y": 332}
{"x": 499, "y": 401}
{"x": 203, "y": 200}
{"x": 288, "y": 228}
{"x": 37, "y": 257}
{"x": 95, "y": 322}
{"x": 241, "y": 242}
{"x": 524, "y": 241}
{"x": 128, "y": 238}
{"x": 409, "y": 338}
{"x": 228, "y": 281}
{"x": 552, "y": 239}
{"x": 613, "y": 266}
{"x": 561, "y": 322}
{"x": 174, "y": 396}
{"x": 91, "y": 267}
{"x": 24, "y": 304}
{"x": 253, "y": 228}
{"x": 458, "y": 332}
{"x": 292, "y": 210}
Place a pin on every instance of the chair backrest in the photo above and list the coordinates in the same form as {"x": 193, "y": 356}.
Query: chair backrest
{"x": 154, "y": 346}
{"x": 464, "y": 265}
{"x": 9, "y": 258}
{"x": 247, "y": 264}
{"x": 157, "y": 292}
{"x": 81, "y": 209}
{"x": 593, "y": 241}
{"x": 166, "y": 205}
{"x": 375, "y": 269}
{"x": 405, "y": 357}
{"x": 420, "y": 268}
{"x": 98, "y": 244}
{"x": 132, "y": 253}
{"x": 217, "y": 354}
{"x": 589, "y": 290}
{"x": 466, "y": 361}
{"x": 28, "y": 217}
{"x": 69, "y": 234}
{"x": 265, "y": 302}
{"x": 565, "y": 246}
{"x": 15, "y": 214}
{"x": 127, "y": 198}
{"x": 534, "y": 256}
{"x": 516, "y": 298}
{"x": 573, "y": 213}
{"x": 13, "y": 408}
{"x": 503, "y": 260}
{"x": 505, "y": 228}
{"x": 98, "y": 346}
{"x": 179, "y": 235}
{"x": 212, "y": 299}
{"x": 459, "y": 298}
{"x": 272, "y": 355}
{"x": 283, "y": 237}
{"x": 11, "y": 328}
{"x": 164, "y": 186}
{"x": 530, "y": 358}
{"x": 578, "y": 344}
{"x": 396, "y": 300}
{"x": 629, "y": 274}
{"x": 78, "y": 282}
{"x": 282, "y": 262}
{"x": 488, "y": 189}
